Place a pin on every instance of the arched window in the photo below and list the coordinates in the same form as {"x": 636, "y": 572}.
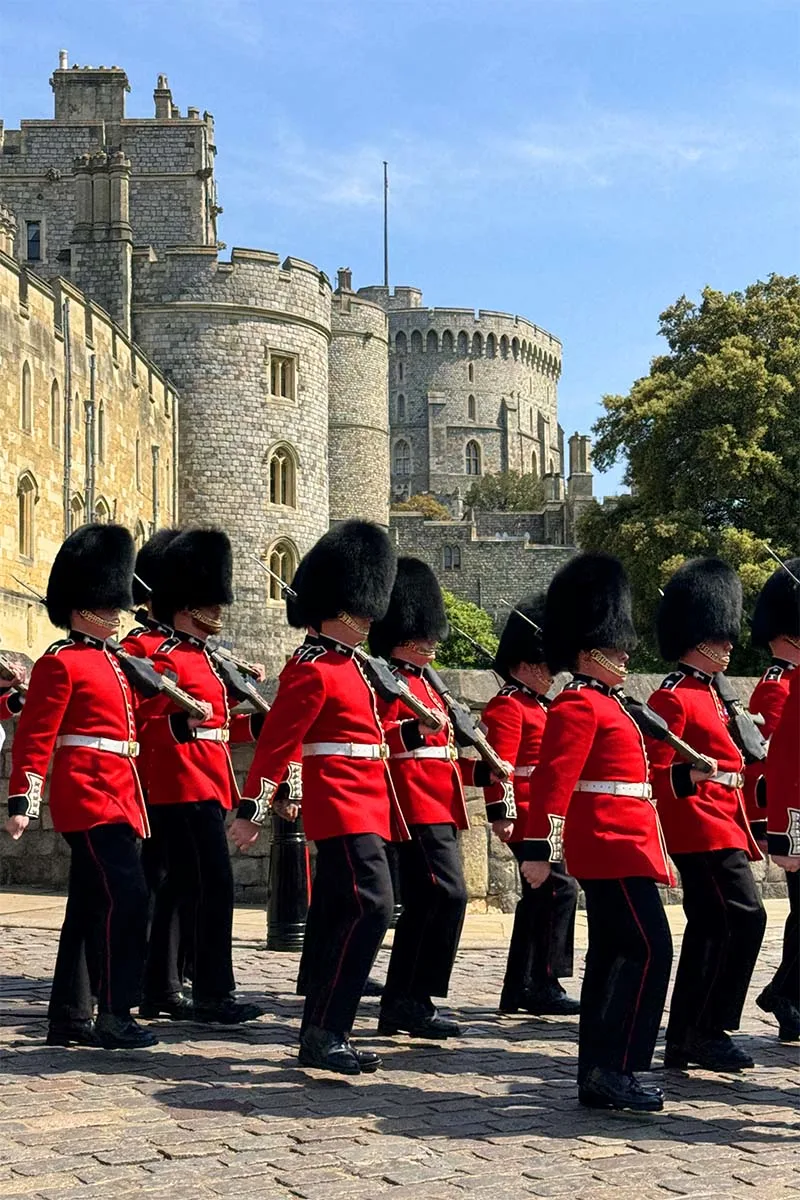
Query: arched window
{"x": 477, "y": 345}
{"x": 504, "y": 346}
{"x": 27, "y": 495}
{"x": 470, "y": 408}
{"x": 26, "y": 400}
{"x": 530, "y": 419}
{"x": 78, "y": 417}
{"x": 491, "y": 346}
{"x": 534, "y": 466}
{"x": 102, "y": 510}
{"x": 463, "y": 344}
{"x": 400, "y": 342}
{"x": 138, "y": 462}
{"x": 283, "y": 477}
{"x": 432, "y": 342}
{"x": 471, "y": 372}
{"x": 400, "y": 371}
{"x": 140, "y": 534}
{"x": 401, "y": 407}
{"x": 416, "y": 342}
{"x": 515, "y": 348}
{"x": 76, "y": 512}
{"x": 282, "y": 561}
{"x": 56, "y": 418}
{"x": 402, "y": 458}
{"x": 447, "y": 342}
{"x": 472, "y": 458}
{"x": 451, "y": 558}
{"x": 101, "y": 432}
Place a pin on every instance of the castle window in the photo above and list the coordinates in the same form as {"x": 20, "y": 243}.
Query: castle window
{"x": 477, "y": 345}
{"x": 491, "y": 346}
{"x": 463, "y": 344}
{"x": 515, "y": 348}
{"x": 472, "y": 458}
{"x": 402, "y": 458}
{"x": 432, "y": 342}
{"x": 534, "y": 466}
{"x": 102, "y": 511}
{"x": 282, "y": 477}
{"x": 471, "y": 408}
{"x": 504, "y": 346}
{"x": 138, "y": 462}
{"x": 416, "y": 342}
{"x": 401, "y": 408}
{"x": 140, "y": 534}
{"x": 282, "y": 561}
{"x": 76, "y": 512}
{"x": 33, "y": 241}
{"x": 451, "y": 558}
{"x": 282, "y": 376}
{"x": 400, "y": 372}
{"x": 55, "y": 415}
{"x": 530, "y": 419}
{"x": 447, "y": 342}
{"x": 471, "y": 372}
{"x": 101, "y": 432}
{"x": 26, "y": 400}
{"x": 27, "y": 495}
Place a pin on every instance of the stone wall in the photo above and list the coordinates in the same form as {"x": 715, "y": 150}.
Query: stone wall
{"x": 40, "y": 858}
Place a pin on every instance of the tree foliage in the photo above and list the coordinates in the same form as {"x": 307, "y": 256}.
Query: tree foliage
{"x": 712, "y": 442}
{"x": 457, "y": 651}
{"x": 423, "y": 502}
{"x": 506, "y": 491}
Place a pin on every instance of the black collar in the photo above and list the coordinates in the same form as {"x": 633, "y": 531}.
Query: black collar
{"x": 695, "y": 673}
{"x": 335, "y": 645}
{"x": 189, "y": 638}
{"x": 784, "y": 664}
{"x": 412, "y": 668}
{"x": 526, "y": 691}
{"x": 597, "y": 684}
{"x": 87, "y": 639}
{"x": 158, "y": 626}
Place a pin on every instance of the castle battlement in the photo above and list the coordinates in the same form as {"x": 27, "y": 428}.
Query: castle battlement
{"x": 523, "y": 337}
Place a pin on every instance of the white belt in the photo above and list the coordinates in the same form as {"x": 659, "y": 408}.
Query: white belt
{"x": 125, "y": 749}
{"x": 202, "y": 734}
{"x": 346, "y": 749}
{"x": 728, "y": 779}
{"x": 448, "y": 752}
{"x": 614, "y": 787}
{"x": 524, "y": 772}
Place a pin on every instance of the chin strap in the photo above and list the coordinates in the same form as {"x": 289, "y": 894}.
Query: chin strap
{"x": 93, "y": 619}
{"x": 424, "y": 651}
{"x": 352, "y": 623}
{"x": 721, "y": 660}
{"x": 617, "y": 669}
{"x": 213, "y": 626}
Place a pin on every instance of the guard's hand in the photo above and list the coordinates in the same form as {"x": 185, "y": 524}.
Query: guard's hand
{"x": 503, "y": 829}
{"x": 699, "y": 776}
{"x": 243, "y": 833}
{"x": 789, "y": 862}
{"x": 19, "y": 677}
{"x": 535, "y": 873}
{"x": 16, "y": 826}
{"x": 288, "y": 810}
{"x": 196, "y": 722}
{"x": 435, "y": 725}
{"x": 509, "y": 773}
{"x": 262, "y": 672}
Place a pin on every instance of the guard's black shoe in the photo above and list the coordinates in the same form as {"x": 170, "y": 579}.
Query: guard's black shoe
{"x": 550, "y": 1000}
{"x": 72, "y": 1033}
{"x": 416, "y": 1019}
{"x": 226, "y": 1012}
{"x": 122, "y": 1033}
{"x": 601, "y": 1088}
{"x": 372, "y": 988}
{"x": 177, "y": 1007}
{"x": 788, "y": 1016}
{"x": 368, "y": 1060}
{"x": 328, "y": 1051}
{"x": 712, "y": 1051}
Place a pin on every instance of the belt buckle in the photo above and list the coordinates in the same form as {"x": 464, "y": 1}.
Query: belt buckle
{"x": 133, "y": 749}
{"x": 384, "y": 750}
{"x": 225, "y": 735}
{"x": 452, "y": 753}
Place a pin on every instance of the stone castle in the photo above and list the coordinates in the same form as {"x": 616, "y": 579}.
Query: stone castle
{"x": 145, "y": 379}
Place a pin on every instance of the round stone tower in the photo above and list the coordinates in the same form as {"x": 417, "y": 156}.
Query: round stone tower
{"x": 246, "y": 344}
{"x": 359, "y": 407}
{"x": 470, "y": 393}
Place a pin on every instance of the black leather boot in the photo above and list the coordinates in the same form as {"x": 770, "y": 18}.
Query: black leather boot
{"x": 712, "y": 1051}
{"x": 122, "y": 1033}
{"x": 225, "y": 1012}
{"x": 72, "y": 1033}
{"x": 601, "y": 1088}
{"x": 550, "y": 1000}
{"x": 415, "y": 1018}
{"x": 177, "y": 1007}
{"x": 788, "y": 1016}
{"x": 328, "y": 1051}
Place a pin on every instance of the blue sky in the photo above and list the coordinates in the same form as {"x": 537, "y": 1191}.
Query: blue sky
{"x": 581, "y": 162}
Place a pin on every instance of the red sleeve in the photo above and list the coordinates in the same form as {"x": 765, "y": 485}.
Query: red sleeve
{"x": 49, "y": 693}
{"x": 11, "y": 704}
{"x": 400, "y": 731}
{"x": 245, "y": 727}
{"x": 502, "y": 720}
{"x": 131, "y": 645}
{"x": 670, "y": 778}
{"x": 568, "y": 736}
{"x": 782, "y": 772}
{"x": 768, "y": 699}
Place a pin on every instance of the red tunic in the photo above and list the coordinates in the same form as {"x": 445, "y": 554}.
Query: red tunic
{"x": 589, "y": 736}
{"x": 77, "y": 688}
{"x": 514, "y": 720}
{"x": 430, "y": 791}
{"x": 324, "y": 697}
{"x": 783, "y": 777}
{"x": 144, "y": 640}
{"x": 768, "y": 699}
{"x": 11, "y": 703}
{"x": 179, "y": 767}
{"x": 707, "y": 815}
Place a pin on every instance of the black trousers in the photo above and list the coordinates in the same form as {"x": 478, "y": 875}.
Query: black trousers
{"x": 191, "y": 838}
{"x": 543, "y": 938}
{"x": 626, "y": 977}
{"x": 725, "y": 922}
{"x": 351, "y": 906}
{"x": 168, "y": 924}
{"x": 428, "y": 930}
{"x": 102, "y": 945}
{"x": 786, "y": 981}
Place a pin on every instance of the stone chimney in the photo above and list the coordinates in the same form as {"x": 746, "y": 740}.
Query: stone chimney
{"x": 89, "y": 95}
{"x": 344, "y": 280}
{"x": 163, "y": 99}
{"x": 101, "y": 243}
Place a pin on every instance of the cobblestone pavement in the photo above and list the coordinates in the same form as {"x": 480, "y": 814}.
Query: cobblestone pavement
{"x": 218, "y": 1113}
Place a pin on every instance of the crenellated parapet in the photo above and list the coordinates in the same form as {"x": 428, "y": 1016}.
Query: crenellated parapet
{"x": 465, "y": 333}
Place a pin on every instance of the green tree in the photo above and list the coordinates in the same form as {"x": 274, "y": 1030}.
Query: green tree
{"x": 507, "y": 491}
{"x": 425, "y": 503}
{"x": 458, "y": 651}
{"x": 712, "y": 442}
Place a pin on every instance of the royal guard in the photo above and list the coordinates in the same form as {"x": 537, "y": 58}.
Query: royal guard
{"x": 590, "y": 805}
{"x": 326, "y": 704}
{"x": 542, "y": 941}
{"x": 776, "y": 627}
{"x": 190, "y": 779}
{"x": 429, "y": 788}
{"x": 704, "y": 820}
{"x": 146, "y": 637}
{"x": 11, "y": 698}
{"x": 79, "y": 712}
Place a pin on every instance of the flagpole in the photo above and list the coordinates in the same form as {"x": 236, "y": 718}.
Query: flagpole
{"x": 386, "y": 225}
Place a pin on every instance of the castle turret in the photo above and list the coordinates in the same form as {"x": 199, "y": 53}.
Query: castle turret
{"x": 358, "y": 422}
{"x": 89, "y": 94}
{"x": 101, "y": 247}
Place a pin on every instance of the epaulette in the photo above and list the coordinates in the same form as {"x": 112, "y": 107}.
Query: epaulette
{"x": 309, "y": 654}
{"x": 574, "y": 685}
{"x": 168, "y": 645}
{"x": 508, "y": 689}
{"x": 140, "y": 629}
{"x": 672, "y": 680}
{"x": 59, "y": 645}
{"x": 773, "y": 674}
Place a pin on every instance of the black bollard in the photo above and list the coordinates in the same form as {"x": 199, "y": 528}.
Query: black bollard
{"x": 394, "y": 871}
{"x": 289, "y": 885}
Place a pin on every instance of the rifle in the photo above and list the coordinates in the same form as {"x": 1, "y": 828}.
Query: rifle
{"x": 9, "y": 675}
{"x": 237, "y": 684}
{"x": 487, "y": 654}
{"x": 379, "y": 674}
{"x": 743, "y": 728}
{"x": 467, "y": 732}
{"x": 653, "y": 725}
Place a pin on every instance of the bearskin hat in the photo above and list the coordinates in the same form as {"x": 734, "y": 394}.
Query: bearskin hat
{"x": 92, "y": 570}
{"x": 702, "y": 602}
{"x": 148, "y": 564}
{"x": 777, "y": 611}
{"x": 350, "y": 569}
{"x": 294, "y": 609}
{"x": 588, "y": 607}
{"x": 195, "y": 571}
{"x": 519, "y": 641}
{"x": 416, "y": 609}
